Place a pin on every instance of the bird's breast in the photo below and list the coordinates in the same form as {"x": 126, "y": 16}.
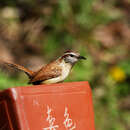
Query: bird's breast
{"x": 66, "y": 68}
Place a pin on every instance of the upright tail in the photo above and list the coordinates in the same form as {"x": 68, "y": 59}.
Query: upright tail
{"x": 19, "y": 67}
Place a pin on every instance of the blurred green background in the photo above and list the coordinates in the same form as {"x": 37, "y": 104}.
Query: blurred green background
{"x": 33, "y": 33}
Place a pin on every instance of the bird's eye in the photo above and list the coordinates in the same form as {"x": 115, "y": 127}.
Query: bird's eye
{"x": 71, "y": 55}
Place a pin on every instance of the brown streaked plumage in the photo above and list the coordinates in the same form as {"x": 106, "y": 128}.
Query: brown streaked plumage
{"x": 47, "y": 72}
{"x": 53, "y": 72}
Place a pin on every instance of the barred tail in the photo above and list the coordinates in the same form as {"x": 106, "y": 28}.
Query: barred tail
{"x": 21, "y": 68}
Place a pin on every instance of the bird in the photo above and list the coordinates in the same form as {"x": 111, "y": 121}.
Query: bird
{"x": 54, "y": 72}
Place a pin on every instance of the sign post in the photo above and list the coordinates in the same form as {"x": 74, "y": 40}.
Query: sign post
{"x": 64, "y": 106}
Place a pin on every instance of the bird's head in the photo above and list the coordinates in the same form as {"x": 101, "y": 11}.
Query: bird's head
{"x": 72, "y": 57}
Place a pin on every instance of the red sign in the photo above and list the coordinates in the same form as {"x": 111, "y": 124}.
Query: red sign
{"x": 64, "y": 106}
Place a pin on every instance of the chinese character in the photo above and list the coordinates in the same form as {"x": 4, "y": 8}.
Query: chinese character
{"x": 68, "y": 123}
{"x": 50, "y": 120}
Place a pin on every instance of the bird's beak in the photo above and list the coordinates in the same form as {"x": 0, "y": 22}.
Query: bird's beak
{"x": 82, "y": 58}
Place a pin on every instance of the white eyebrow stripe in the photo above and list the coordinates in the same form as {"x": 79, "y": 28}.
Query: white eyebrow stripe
{"x": 72, "y": 53}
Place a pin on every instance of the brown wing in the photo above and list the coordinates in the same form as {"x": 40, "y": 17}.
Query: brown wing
{"x": 47, "y": 72}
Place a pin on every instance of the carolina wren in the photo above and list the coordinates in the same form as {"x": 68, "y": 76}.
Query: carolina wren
{"x": 53, "y": 72}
